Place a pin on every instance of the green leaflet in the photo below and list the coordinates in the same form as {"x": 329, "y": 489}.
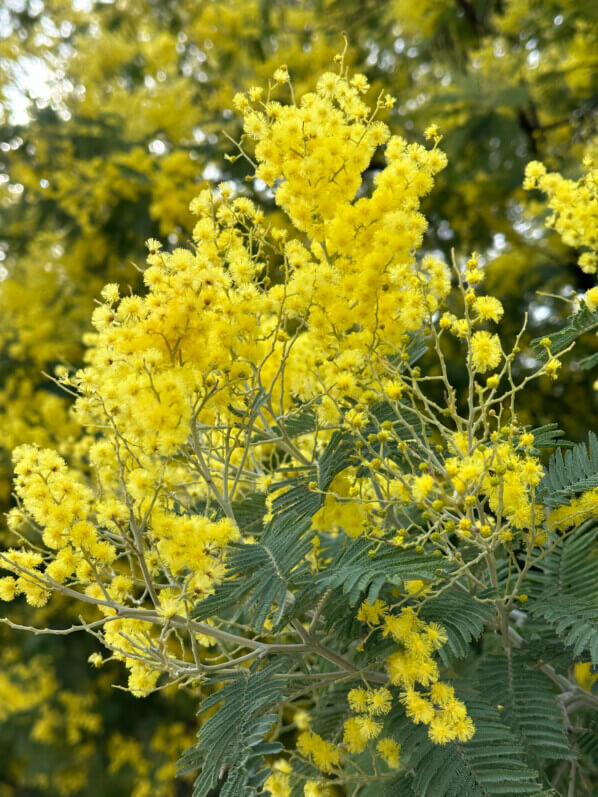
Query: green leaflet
{"x": 564, "y": 592}
{"x": 548, "y": 436}
{"x": 574, "y": 472}
{"x": 574, "y": 621}
{"x": 530, "y": 706}
{"x": 231, "y": 747}
{"x": 589, "y": 362}
{"x": 463, "y": 618}
{"x": 259, "y": 575}
{"x": 585, "y": 320}
{"x": 354, "y": 571}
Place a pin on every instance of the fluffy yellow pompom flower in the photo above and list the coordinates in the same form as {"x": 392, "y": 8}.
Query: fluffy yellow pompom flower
{"x": 110, "y": 293}
{"x": 533, "y": 172}
{"x": 488, "y": 308}
{"x": 369, "y": 727}
{"x": 485, "y": 351}
{"x": 7, "y": 588}
{"x": 324, "y": 755}
{"x": 353, "y": 738}
{"x": 440, "y": 731}
{"x": 591, "y": 298}
{"x": 379, "y": 701}
{"x": 422, "y": 486}
{"x": 358, "y": 699}
{"x": 389, "y": 750}
{"x": 278, "y": 784}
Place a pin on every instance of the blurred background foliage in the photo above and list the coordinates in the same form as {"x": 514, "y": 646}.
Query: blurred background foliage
{"x": 113, "y": 115}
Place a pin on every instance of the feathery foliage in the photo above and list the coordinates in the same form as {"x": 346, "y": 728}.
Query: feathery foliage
{"x": 300, "y": 480}
{"x": 360, "y": 569}
{"x": 528, "y": 704}
{"x": 581, "y": 323}
{"x": 564, "y": 592}
{"x": 463, "y": 618}
{"x": 231, "y": 745}
{"x": 574, "y": 472}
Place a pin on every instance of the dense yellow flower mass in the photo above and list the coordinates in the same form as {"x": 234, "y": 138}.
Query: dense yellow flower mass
{"x": 146, "y": 91}
{"x": 574, "y": 206}
{"x": 189, "y": 390}
{"x": 170, "y": 373}
{"x": 22, "y": 686}
{"x": 410, "y": 667}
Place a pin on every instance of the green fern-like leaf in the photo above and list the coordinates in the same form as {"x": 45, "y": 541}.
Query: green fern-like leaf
{"x": 575, "y": 622}
{"x": 331, "y": 710}
{"x": 530, "y": 708}
{"x": 337, "y": 457}
{"x": 231, "y": 745}
{"x": 584, "y": 321}
{"x": 587, "y": 743}
{"x": 587, "y": 363}
{"x": 249, "y": 513}
{"x": 571, "y": 569}
{"x": 417, "y": 347}
{"x": 548, "y": 436}
{"x": 571, "y": 473}
{"x": 294, "y": 424}
{"x": 259, "y": 574}
{"x": 564, "y": 591}
{"x": 463, "y": 618}
{"x": 400, "y": 785}
{"x": 355, "y": 570}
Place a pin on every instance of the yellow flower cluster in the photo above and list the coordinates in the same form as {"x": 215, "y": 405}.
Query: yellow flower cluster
{"x": 574, "y": 206}
{"x": 342, "y": 508}
{"x": 370, "y": 705}
{"x": 172, "y": 372}
{"x": 324, "y": 755}
{"x": 575, "y": 512}
{"x": 187, "y": 390}
{"x": 126, "y": 638}
{"x": 23, "y": 685}
{"x": 168, "y": 396}
{"x": 503, "y": 475}
{"x": 153, "y": 764}
{"x": 499, "y": 474}
{"x": 411, "y": 667}
{"x": 85, "y": 540}
{"x": 485, "y": 347}
{"x": 359, "y": 278}
{"x": 279, "y": 782}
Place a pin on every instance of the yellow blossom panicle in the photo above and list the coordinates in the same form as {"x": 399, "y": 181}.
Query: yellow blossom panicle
{"x": 277, "y": 366}
{"x": 574, "y": 206}
{"x": 413, "y": 669}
